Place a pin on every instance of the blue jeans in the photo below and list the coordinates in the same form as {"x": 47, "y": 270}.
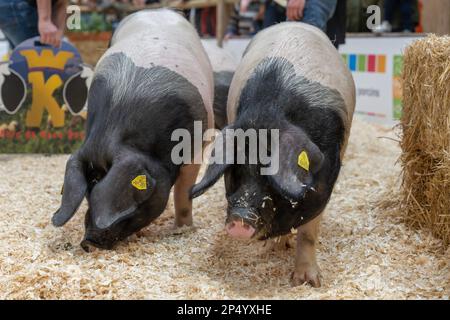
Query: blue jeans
{"x": 273, "y": 14}
{"x": 18, "y": 21}
{"x": 406, "y": 10}
{"x": 316, "y": 13}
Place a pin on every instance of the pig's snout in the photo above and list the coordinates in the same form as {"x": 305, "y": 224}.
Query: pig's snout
{"x": 90, "y": 242}
{"x": 239, "y": 229}
{"x": 238, "y": 226}
{"x": 87, "y": 245}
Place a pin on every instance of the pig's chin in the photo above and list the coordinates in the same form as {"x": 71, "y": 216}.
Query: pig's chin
{"x": 267, "y": 231}
{"x": 108, "y": 239}
{"x": 88, "y": 244}
{"x": 263, "y": 234}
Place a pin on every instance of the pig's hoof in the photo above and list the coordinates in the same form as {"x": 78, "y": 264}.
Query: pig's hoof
{"x": 177, "y": 230}
{"x": 181, "y": 223}
{"x": 306, "y": 273}
{"x": 183, "y": 218}
{"x": 184, "y": 224}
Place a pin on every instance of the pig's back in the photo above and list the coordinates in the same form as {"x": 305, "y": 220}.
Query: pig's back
{"x": 312, "y": 56}
{"x": 164, "y": 38}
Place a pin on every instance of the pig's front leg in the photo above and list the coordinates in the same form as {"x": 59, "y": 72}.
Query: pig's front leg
{"x": 183, "y": 205}
{"x": 306, "y": 268}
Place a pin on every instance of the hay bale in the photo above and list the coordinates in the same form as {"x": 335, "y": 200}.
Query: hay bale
{"x": 426, "y": 135}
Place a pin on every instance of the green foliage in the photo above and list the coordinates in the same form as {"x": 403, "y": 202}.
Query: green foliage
{"x": 94, "y": 22}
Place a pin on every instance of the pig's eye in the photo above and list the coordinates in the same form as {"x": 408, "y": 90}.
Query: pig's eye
{"x": 99, "y": 176}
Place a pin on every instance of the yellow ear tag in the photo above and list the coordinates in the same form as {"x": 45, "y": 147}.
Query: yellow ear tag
{"x": 303, "y": 160}
{"x": 140, "y": 182}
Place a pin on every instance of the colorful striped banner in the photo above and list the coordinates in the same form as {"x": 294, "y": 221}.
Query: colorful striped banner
{"x": 362, "y": 63}
{"x": 372, "y": 61}
{"x": 365, "y": 62}
{"x": 381, "y": 64}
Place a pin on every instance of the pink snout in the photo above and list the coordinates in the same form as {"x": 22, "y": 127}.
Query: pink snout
{"x": 239, "y": 229}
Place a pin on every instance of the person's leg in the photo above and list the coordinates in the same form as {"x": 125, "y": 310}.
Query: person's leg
{"x": 257, "y": 26}
{"x": 273, "y": 14}
{"x": 318, "y": 12}
{"x": 406, "y": 11}
{"x": 280, "y": 13}
{"x": 11, "y": 44}
{"x": 18, "y": 21}
{"x": 7, "y": 20}
{"x": 389, "y": 7}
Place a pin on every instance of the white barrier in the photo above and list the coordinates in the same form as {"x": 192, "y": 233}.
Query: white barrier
{"x": 376, "y": 63}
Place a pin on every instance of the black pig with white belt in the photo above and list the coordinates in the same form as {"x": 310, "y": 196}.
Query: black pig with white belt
{"x": 155, "y": 78}
{"x": 291, "y": 79}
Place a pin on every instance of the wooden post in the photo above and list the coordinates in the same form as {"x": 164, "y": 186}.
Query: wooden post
{"x": 436, "y": 16}
{"x": 221, "y": 22}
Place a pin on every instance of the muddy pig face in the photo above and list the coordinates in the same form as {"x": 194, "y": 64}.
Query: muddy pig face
{"x": 262, "y": 206}
{"x": 246, "y": 193}
{"x": 122, "y": 199}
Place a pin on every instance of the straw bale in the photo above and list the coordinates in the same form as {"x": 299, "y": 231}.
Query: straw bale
{"x": 425, "y": 144}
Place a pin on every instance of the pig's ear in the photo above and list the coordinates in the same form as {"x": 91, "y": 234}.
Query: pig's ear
{"x": 299, "y": 160}
{"x": 74, "y": 190}
{"x": 217, "y": 167}
{"x": 212, "y": 175}
{"x": 126, "y": 186}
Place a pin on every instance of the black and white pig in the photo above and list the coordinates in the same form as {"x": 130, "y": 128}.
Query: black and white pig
{"x": 291, "y": 79}
{"x": 155, "y": 78}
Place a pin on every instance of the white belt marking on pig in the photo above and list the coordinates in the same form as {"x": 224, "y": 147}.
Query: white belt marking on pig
{"x": 164, "y": 38}
{"x": 312, "y": 55}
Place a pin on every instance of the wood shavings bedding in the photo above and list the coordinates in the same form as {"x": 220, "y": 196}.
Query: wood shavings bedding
{"x": 365, "y": 250}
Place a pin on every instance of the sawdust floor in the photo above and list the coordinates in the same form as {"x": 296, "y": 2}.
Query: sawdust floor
{"x": 364, "y": 251}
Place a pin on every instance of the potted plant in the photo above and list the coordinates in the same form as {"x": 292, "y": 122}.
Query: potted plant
{"x": 93, "y": 38}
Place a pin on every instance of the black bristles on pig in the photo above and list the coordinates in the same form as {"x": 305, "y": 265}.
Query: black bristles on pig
{"x": 291, "y": 79}
{"x": 154, "y": 79}
{"x": 303, "y": 126}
